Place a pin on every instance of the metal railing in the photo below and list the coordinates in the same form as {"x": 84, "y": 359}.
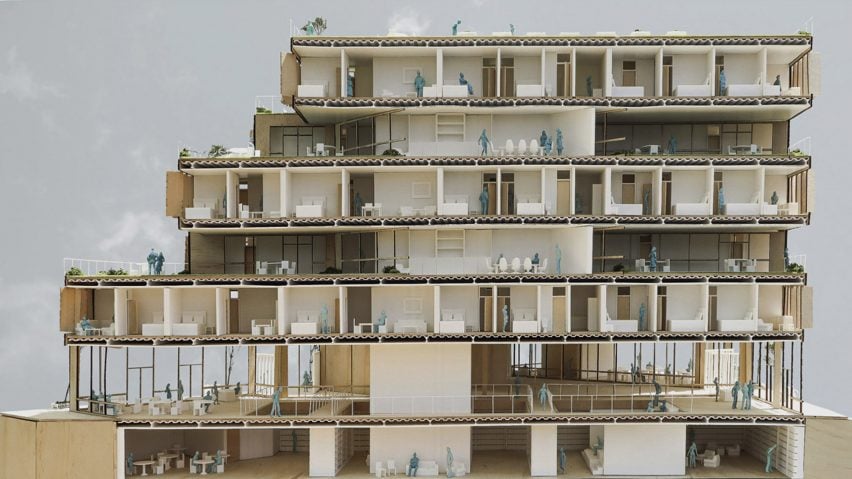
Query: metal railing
{"x": 270, "y": 104}
{"x": 619, "y": 398}
{"x": 96, "y": 267}
{"x": 804, "y": 145}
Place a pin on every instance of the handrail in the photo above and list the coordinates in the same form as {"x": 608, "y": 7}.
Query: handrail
{"x": 97, "y": 267}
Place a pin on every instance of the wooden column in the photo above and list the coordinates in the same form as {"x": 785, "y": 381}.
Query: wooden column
{"x": 252, "y": 370}
{"x": 281, "y": 364}
{"x": 745, "y": 362}
{"x": 73, "y": 377}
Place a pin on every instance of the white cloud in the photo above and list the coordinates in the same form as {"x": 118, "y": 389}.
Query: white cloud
{"x": 19, "y": 82}
{"x": 135, "y": 232}
{"x": 408, "y": 21}
{"x": 479, "y": 3}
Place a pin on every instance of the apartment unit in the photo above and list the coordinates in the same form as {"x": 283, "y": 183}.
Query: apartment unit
{"x": 509, "y": 254}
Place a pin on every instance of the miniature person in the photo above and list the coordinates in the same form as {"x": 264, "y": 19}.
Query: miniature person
{"x": 512, "y": 28}
{"x": 168, "y": 391}
{"x": 383, "y": 318}
{"x": 483, "y": 138}
{"x": 536, "y": 260}
{"x": 217, "y": 461}
{"x": 450, "y": 471}
{"x": 463, "y": 81}
{"x": 237, "y": 390}
{"x": 642, "y": 313}
{"x": 563, "y": 460}
{"x": 215, "y": 392}
{"x": 749, "y": 391}
{"x": 633, "y": 373}
{"x": 653, "y": 259}
{"x": 306, "y": 379}
{"x": 558, "y": 260}
{"x": 668, "y": 369}
{"x": 548, "y": 145}
{"x": 195, "y": 457}
{"x": 276, "y": 405}
{"x": 483, "y": 200}
{"x": 350, "y": 85}
{"x": 152, "y": 259}
{"x": 560, "y": 142}
{"x": 542, "y": 139}
{"x": 663, "y": 407}
{"x": 455, "y": 32}
{"x": 180, "y": 390}
{"x": 646, "y": 202}
{"x": 359, "y": 203}
{"x": 716, "y": 384}
{"x": 505, "y": 318}
{"x": 86, "y": 326}
{"x": 419, "y": 83}
{"x": 777, "y": 80}
{"x": 722, "y": 200}
{"x": 158, "y": 265}
{"x": 589, "y": 86}
{"x": 734, "y": 391}
{"x": 542, "y": 395}
{"x": 129, "y": 464}
{"x": 672, "y": 145}
{"x": 723, "y": 82}
{"x": 207, "y": 397}
{"x": 657, "y": 390}
{"x": 689, "y": 366}
{"x": 413, "y": 464}
{"x": 769, "y": 463}
{"x": 649, "y": 407}
{"x": 692, "y": 454}
{"x": 324, "y": 318}
{"x": 773, "y": 200}
{"x": 517, "y": 385}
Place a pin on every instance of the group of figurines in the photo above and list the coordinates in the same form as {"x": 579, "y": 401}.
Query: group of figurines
{"x": 692, "y": 456}
{"x": 746, "y": 389}
{"x": 544, "y": 140}
{"x": 155, "y": 262}
{"x": 420, "y": 83}
{"x": 414, "y": 464}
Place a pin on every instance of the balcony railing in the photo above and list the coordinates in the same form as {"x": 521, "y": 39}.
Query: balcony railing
{"x": 97, "y": 267}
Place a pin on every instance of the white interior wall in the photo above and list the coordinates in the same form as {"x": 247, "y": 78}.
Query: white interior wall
{"x": 256, "y": 443}
{"x": 423, "y": 379}
{"x": 733, "y": 302}
{"x": 320, "y": 71}
{"x": 522, "y": 297}
{"x": 388, "y": 74}
{"x": 467, "y": 183}
{"x": 546, "y": 311}
{"x": 543, "y": 450}
{"x": 739, "y": 185}
{"x": 200, "y": 299}
{"x": 390, "y": 299}
{"x": 528, "y": 70}
{"x": 689, "y": 69}
{"x": 641, "y": 179}
{"x": 778, "y": 184}
{"x": 644, "y": 450}
{"x": 314, "y": 185}
{"x": 393, "y": 190}
{"x": 422, "y": 243}
{"x": 528, "y": 186}
{"x": 465, "y": 298}
{"x": 470, "y": 66}
{"x": 576, "y": 246}
{"x": 271, "y": 192}
{"x": 688, "y": 186}
{"x": 742, "y": 68}
{"x": 311, "y": 298}
{"x": 644, "y": 72}
{"x": 773, "y": 69}
{"x": 148, "y": 302}
{"x": 770, "y": 303}
{"x": 209, "y": 188}
{"x": 550, "y": 73}
{"x": 578, "y": 130}
{"x": 430, "y": 444}
{"x": 683, "y": 301}
{"x": 322, "y": 452}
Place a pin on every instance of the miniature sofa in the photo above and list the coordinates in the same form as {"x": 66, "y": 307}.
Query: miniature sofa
{"x": 620, "y": 325}
{"x": 424, "y": 468}
{"x": 703, "y": 208}
{"x": 455, "y": 205}
{"x": 694, "y": 90}
{"x": 695, "y": 324}
{"x": 524, "y": 321}
{"x": 311, "y": 207}
{"x": 307, "y": 322}
{"x": 529, "y": 90}
{"x": 529, "y": 206}
{"x": 625, "y": 91}
{"x": 624, "y": 209}
{"x": 748, "y": 323}
{"x": 409, "y": 326}
{"x": 452, "y": 321}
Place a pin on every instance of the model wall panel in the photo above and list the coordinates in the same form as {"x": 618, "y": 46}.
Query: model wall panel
{"x": 578, "y": 131}
{"x": 776, "y": 184}
{"x": 770, "y": 303}
{"x": 470, "y": 66}
{"x": 683, "y": 302}
{"x": 463, "y": 183}
{"x": 200, "y": 299}
{"x": 398, "y": 131}
{"x": 392, "y": 301}
{"x": 394, "y": 190}
{"x": 528, "y": 70}
{"x": 259, "y": 303}
{"x": 313, "y": 185}
{"x": 271, "y": 192}
{"x": 528, "y": 186}
{"x": 740, "y": 186}
{"x": 742, "y": 69}
{"x": 733, "y": 302}
{"x": 257, "y": 443}
{"x": 104, "y": 305}
{"x": 59, "y": 449}
{"x": 206, "y": 253}
{"x": 689, "y": 186}
{"x": 391, "y": 76}
{"x": 149, "y": 305}
{"x": 209, "y": 188}
{"x": 321, "y": 71}
{"x": 689, "y": 69}
{"x": 644, "y": 449}
{"x": 462, "y": 298}
{"x": 645, "y": 68}
{"x": 18, "y": 453}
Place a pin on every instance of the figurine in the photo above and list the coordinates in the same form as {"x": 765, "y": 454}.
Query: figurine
{"x": 215, "y": 392}
{"x": 563, "y": 460}
{"x": 692, "y": 454}
{"x": 450, "y": 472}
{"x": 276, "y": 405}
{"x": 558, "y": 260}
{"x": 542, "y": 139}
{"x": 382, "y": 321}
{"x": 512, "y": 28}
{"x": 180, "y": 390}
{"x": 207, "y": 397}
{"x": 152, "y": 260}
{"x": 517, "y": 385}
{"x": 672, "y": 145}
{"x": 350, "y": 85}
{"x": 749, "y": 391}
{"x": 721, "y": 200}
{"x": 548, "y": 145}
{"x": 463, "y": 81}
{"x": 734, "y": 391}
{"x": 419, "y": 83}
{"x": 723, "y": 82}
{"x": 668, "y": 369}
{"x": 657, "y": 390}
{"x": 642, "y": 312}
{"x": 505, "y": 318}
{"x": 324, "y": 318}
{"x": 168, "y": 391}
{"x": 599, "y": 444}
{"x": 192, "y": 460}
{"x": 306, "y": 379}
{"x": 646, "y": 202}
{"x": 158, "y": 264}
{"x": 237, "y": 390}
{"x": 129, "y": 464}
{"x": 777, "y": 80}
{"x": 455, "y": 32}
{"x": 634, "y": 371}
{"x": 649, "y": 407}
{"x": 589, "y": 85}
{"x": 786, "y": 259}
{"x": 359, "y": 204}
{"x": 542, "y": 395}
{"x": 773, "y": 200}
{"x": 769, "y": 463}
{"x": 413, "y": 464}
{"x": 483, "y": 138}
{"x": 483, "y": 200}
{"x": 663, "y": 407}
{"x": 653, "y": 259}
{"x": 560, "y": 142}
{"x": 217, "y": 461}
{"x": 536, "y": 259}
{"x": 85, "y": 326}
{"x": 689, "y": 366}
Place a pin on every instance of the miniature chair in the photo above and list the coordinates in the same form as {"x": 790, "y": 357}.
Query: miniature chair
{"x": 522, "y": 147}
{"x": 391, "y": 467}
{"x": 489, "y": 267}
{"x": 534, "y": 148}
{"x": 516, "y": 265}
{"x": 380, "y": 471}
{"x": 510, "y": 147}
{"x": 503, "y": 265}
{"x": 542, "y": 267}
{"x": 528, "y": 266}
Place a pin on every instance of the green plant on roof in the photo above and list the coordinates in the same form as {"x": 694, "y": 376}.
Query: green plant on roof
{"x": 113, "y": 272}
{"x": 263, "y": 110}
{"x": 217, "y": 150}
{"x": 74, "y": 271}
{"x": 184, "y": 152}
{"x": 795, "y": 268}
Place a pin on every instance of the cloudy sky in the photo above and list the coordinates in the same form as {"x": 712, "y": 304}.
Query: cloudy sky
{"x": 98, "y": 96}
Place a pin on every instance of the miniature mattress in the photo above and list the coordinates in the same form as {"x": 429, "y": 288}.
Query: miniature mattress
{"x": 692, "y": 90}
{"x": 530, "y": 90}
{"x": 742, "y": 209}
{"x": 752, "y": 89}
{"x": 628, "y": 91}
{"x": 451, "y": 326}
{"x": 691, "y": 209}
{"x": 524, "y": 326}
{"x": 736, "y": 324}
{"x": 685, "y": 325}
{"x": 304, "y": 328}
{"x": 530, "y": 209}
{"x": 455, "y": 91}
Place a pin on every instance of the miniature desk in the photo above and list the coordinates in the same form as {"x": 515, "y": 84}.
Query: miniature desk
{"x": 144, "y": 465}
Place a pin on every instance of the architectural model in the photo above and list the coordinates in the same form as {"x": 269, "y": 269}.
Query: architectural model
{"x": 527, "y": 254}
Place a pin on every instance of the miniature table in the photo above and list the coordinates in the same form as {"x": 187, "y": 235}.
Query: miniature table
{"x": 168, "y": 457}
{"x": 159, "y": 405}
{"x": 374, "y": 210}
{"x": 203, "y": 463}
{"x": 652, "y": 149}
{"x": 144, "y": 465}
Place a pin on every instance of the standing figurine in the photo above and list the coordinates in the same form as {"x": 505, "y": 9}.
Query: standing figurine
{"x": 129, "y": 463}
{"x": 180, "y": 390}
{"x": 747, "y": 394}
{"x": 642, "y": 313}
{"x": 276, "y": 405}
{"x": 536, "y": 260}
{"x": 548, "y": 145}
{"x": 158, "y": 264}
{"x": 542, "y": 139}
{"x": 773, "y": 200}
{"x": 786, "y": 259}
{"x": 589, "y": 85}
{"x": 653, "y": 259}
{"x": 359, "y": 204}
{"x": 483, "y": 200}
{"x": 455, "y": 32}
{"x": 324, "y": 318}
{"x": 723, "y": 82}
{"x": 560, "y": 142}
{"x": 657, "y": 390}
{"x": 672, "y": 145}
{"x": 215, "y": 392}
{"x": 721, "y": 200}
{"x": 419, "y": 83}
{"x": 237, "y": 390}
{"x": 382, "y": 321}
{"x": 463, "y": 81}
{"x": 633, "y": 373}
{"x": 505, "y": 318}
{"x": 350, "y": 85}
{"x": 152, "y": 260}
{"x": 168, "y": 391}
{"x": 734, "y": 391}
{"x": 769, "y": 463}
{"x": 306, "y": 379}
{"x": 563, "y": 460}
{"x": 207, "y": 397}
{"x": 483, "y": 138}
{"x": 450, "y": 471}
{"x": 692, "y": 454}
{"x": 777, "y": 80}
{"x": 646, "y": 202}
{"x": 413, "y": 464}
{"x": 512, "y": 28}
{"x": 558, "y": 260}
{"x": 542, "y": 395}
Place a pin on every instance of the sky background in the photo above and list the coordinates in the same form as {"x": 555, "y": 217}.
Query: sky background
{"x": 97, "y": 97}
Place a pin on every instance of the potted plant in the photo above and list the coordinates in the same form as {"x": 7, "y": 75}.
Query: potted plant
{"x": 74, "y": 271}
{"x": 216, "y": 151}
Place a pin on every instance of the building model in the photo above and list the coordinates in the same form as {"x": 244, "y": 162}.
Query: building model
{"x": 533, "y": 254}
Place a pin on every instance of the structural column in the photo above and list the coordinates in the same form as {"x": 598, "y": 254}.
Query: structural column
{"x": 222, "y": 298}
{"x": 323, "y": 451}
{"x": 119, "y": 308}
{"x": 281, "y": 310}
{"x": 543, "y": 450}
{"x": 73, "y": 377}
